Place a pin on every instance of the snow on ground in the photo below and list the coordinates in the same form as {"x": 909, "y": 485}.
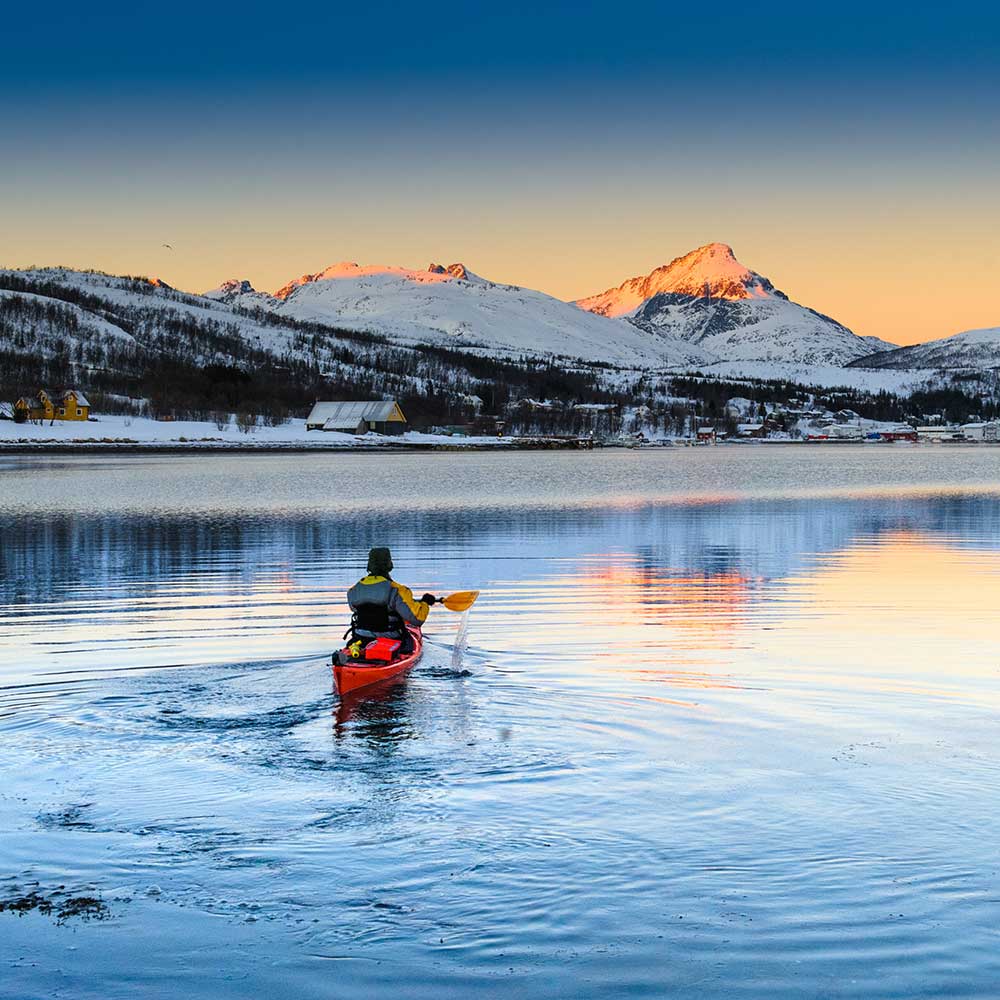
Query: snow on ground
{"x": 112, "y": 430}
{"x": 825, "y": 376}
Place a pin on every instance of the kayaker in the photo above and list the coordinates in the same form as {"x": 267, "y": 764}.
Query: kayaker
{"x": 383, "y": 607}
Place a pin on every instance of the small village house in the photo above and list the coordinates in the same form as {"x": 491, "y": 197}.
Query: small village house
{"x": 379, "y": 416}
{"x": 47, "y": 404}
{"x": 755, "y": 430}
{"x": 845, "y": 432}
{"x": 980, "y": 431}
{"x": 707, "y": 435}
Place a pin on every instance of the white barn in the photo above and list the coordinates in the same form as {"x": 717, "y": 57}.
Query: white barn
{"x": 980, "y": 431}
{"x": 380, "y": 416}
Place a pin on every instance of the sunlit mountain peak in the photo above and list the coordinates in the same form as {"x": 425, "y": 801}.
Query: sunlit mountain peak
{"x": 458, "y": 271}
{"x": 351, "y": 270}
{"x": 710, "y": 271}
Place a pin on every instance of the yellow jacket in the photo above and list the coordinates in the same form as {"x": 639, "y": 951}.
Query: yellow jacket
{"x": 373, "y": 593}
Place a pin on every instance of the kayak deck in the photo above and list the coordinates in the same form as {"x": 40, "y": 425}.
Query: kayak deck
{"x": 359, "y": 674}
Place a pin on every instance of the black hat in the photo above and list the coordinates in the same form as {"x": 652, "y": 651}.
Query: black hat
{"x": 380, "y": 562}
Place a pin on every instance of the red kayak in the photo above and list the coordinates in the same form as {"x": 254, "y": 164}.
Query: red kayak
{"x": 354, "y": 674}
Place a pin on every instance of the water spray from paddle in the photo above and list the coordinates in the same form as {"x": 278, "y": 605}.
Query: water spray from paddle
{"x": 461, "y": 602}
{"x": 461, "y": 640}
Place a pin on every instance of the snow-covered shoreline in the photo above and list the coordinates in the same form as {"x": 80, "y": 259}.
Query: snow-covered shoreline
{"x": 124, "y": 433}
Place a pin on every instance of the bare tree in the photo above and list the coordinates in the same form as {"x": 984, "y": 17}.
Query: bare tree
{"x": 246, "y": 421}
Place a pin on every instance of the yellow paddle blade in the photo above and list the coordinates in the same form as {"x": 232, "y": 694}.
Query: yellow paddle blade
{"x": 460, "y": 601}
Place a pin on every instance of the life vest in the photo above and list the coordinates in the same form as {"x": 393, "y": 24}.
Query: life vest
{"x": 370, "y": 599}
{"x": 383, "y": 607}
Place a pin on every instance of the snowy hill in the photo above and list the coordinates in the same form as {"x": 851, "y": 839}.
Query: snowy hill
{"x": 69, "y": 309}
{"x": 709, "y": 299}
{"x": 450, "y": 306}
{"x": 143, "y": 344}
{"x": 976, "y": 349}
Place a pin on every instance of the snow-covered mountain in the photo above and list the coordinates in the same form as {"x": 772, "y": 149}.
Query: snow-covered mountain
{"x": 239, "y": 293}
{"x": 709, "y": 299}
{"x": 976, "y": 349}
{"x": 701, "y": 309}
{"x": 451, "y": 306}
{"x": 772, "y": 329}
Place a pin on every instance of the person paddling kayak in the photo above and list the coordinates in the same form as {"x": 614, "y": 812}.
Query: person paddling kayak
{"x": 385, "y": 630}
{"x": 382, "y": 607}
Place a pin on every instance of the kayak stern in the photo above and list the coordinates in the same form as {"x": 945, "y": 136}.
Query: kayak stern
{"x": 352, "y": 676}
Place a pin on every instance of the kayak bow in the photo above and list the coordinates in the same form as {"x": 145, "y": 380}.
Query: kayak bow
{"x": 358, "y": 674}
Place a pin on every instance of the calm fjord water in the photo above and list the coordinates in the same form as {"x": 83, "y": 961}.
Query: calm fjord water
{"x": 726, "y": 725}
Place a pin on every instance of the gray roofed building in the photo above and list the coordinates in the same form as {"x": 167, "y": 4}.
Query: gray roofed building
{"x": 382, "y": 416}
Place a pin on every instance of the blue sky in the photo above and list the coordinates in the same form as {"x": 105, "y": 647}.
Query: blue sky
{"x": 188, "y": 45}
{"x": 563, "y": 146}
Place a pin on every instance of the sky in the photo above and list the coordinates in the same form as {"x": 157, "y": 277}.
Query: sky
{"x": 849, "y": 152}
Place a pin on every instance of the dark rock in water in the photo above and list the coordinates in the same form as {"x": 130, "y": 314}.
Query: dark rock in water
{"x": 25, "y": 904}
{"x": 58, "y": 903}
{"x": 69, "y": 817}
{"x": 87, "y": 907}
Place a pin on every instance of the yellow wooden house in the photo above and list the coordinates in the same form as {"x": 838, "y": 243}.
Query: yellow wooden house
{"x": 66, "y": 404}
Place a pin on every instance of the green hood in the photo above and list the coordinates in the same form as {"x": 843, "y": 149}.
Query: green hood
{"x": 380, "y": 562}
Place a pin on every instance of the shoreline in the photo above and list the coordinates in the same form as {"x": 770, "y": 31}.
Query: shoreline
{"x": 217, "y": 447}
{"x": 214, "y": 447}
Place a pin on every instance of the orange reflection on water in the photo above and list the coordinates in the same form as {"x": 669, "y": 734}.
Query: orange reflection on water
{"x": 904, "y": 611}
{"x": 640, "y": 595}
{"x": 650, "y": 622}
